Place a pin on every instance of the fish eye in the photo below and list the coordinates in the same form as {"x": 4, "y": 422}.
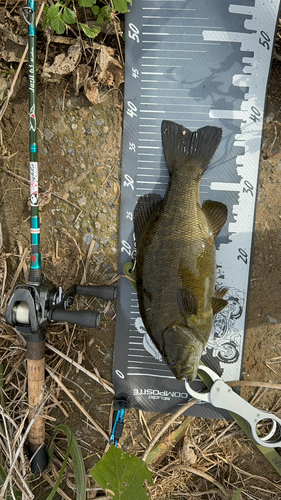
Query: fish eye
{"x": 172, "y": 362}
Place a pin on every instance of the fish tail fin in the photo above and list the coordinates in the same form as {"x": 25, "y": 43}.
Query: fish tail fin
{"x": 198, "y": 147}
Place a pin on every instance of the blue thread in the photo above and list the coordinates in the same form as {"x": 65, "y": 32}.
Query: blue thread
{"x": 32, "y": 5}
{"x": 31, "y": 30}
{"x": 35, "y": 223}
{"x": 33, "y": 148}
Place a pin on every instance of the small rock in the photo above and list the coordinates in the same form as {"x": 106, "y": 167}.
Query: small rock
{"x": 45, "y": 151}
{"x": 70, "y": 151}
{"x": 102, "y": 217}
{"x": 98, "y": 123}
{"x": 83, "y": 166}
{"x": 58, "y": 223}
{"x": 97, "y": 225}
{"x": 96, "y": 247}
{"x": 71, "y": 218}
{"x": 104, "y": 240}
{"x": 88, "y": 238}
{"x": 89, "y": 131}
{"x": 105, "y": 129}
{"x": 108, "y": 358}
{"x": 271, "y": 319}
{"x": 279, "y": 166}
{"x": 82, "y": 201}
{"x": 74, "y": 126}
{"x": 76, "y": 225}
{"x": 84, "y": 224}
{"x": 48, "y": 134}
{"x": 269, "y": 118}
{"x": 68, "y": 104}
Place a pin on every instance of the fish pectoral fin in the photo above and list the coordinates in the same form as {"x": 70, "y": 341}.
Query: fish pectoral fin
{"x": 216, "y": 215}
{"x": 187, "y": 302}
{"x": 146, "y": 207}
{"x": 221, "y": 292}
{"x": 218, "y": 304}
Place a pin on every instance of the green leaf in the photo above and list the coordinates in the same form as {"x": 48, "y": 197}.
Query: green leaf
{"x": 122, "y": 475}
{"x": 91, "y": 33}
{"x": 95, "y": 10}
{"x": 77, "y": 460}
{"x": 100, "y": 19}
{"x": 69, "y": 16}
{"x": 58, "y": 24}
{"x": 87, "y": 3}
{"x": 237, "y": 494}
{"x": 121, "y": 5}
{"x": 53, "y": 10}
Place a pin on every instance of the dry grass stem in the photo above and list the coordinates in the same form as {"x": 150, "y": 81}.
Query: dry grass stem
{"x": 101, "y": 381}
{"x": 166, "y": 426}
{"x": 248, "y": 383}
{"x": 37, "y": 411}
{"x": 95, "y": 424}
{"x": 200, "y": 473}
{"x": 91, "y": 247}
{"x": 17, "y": 273}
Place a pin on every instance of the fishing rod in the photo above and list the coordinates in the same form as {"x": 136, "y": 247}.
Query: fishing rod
{"x": 35, "y": 304}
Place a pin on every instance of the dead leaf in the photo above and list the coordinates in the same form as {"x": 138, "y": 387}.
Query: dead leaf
{"x": 110, "y": 72}
{"x": 63, "y": 65}
{"x": 91, "y": 89}
{"x": 80, "y": 76}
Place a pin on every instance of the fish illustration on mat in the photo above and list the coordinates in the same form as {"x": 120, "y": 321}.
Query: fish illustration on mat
{"x": 176, "y": 254}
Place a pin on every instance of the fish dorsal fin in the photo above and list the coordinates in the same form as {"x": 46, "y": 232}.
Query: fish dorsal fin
{"x": 216, "y": 215}
{"x": 187, "y": 302}
{"x": 147, "y": 206}
{"x": 199, "y": 147}
{"x": 218, "y": 304}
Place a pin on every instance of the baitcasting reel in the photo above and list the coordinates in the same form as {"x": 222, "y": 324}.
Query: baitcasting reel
{"x": 32, "y": 307}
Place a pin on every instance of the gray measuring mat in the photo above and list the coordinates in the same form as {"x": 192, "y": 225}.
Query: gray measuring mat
{"x": 195, "y": 62}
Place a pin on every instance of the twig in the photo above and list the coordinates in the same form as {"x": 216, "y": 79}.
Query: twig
{"x": 101, "y": 381}
{"x": 10, "y": 93}
{"x": 166, "y": 426}
{"x": 95, "y": 424}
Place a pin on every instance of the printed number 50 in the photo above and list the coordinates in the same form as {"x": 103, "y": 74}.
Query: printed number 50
{"x": 134, "y": 33}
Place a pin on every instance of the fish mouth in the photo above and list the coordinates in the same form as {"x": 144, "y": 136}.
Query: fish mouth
{"x": 184, "y": 369}
{"x": 182, "y": 350}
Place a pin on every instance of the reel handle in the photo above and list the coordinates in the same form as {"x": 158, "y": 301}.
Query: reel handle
{"x": 105, "y": 292}
{"x": 87, "y": 319}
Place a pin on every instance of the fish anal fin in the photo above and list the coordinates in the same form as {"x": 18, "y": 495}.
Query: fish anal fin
{"x": 187, "y": 302}
{"x": 146, "y": 207}
{"x": 216, "y": 215}
{"x": 218, "y": 304}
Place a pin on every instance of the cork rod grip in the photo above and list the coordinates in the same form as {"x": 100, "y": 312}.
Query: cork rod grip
{"x": 36, "y": 379}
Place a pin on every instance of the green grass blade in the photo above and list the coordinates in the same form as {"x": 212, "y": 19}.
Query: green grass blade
{"x": 77, "y": 459}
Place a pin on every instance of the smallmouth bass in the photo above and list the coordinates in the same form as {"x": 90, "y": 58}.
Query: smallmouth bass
{"x": 176, "y": 255}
